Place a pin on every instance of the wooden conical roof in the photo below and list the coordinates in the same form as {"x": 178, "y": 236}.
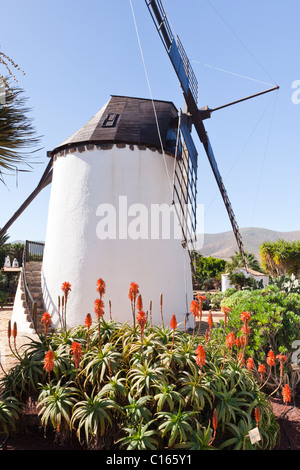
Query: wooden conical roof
{"x": 128, "y": 120}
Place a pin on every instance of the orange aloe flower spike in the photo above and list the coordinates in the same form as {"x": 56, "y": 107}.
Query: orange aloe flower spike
{"x": 66, "y": 287}
{"x": 286, "y": 394}
{"x": 173, "y": 322}
{"x": 201, "y": 355}
{"x": 230, "y": 340}
{"x": 49, "y": 361}
{"x": 271, "y": 358}
{"x": 88, "y": 321}
{"x": 133, "y": 291}
{"x": 245, "y": 317}
{"x": 215, "y": 420}
{"x": 100, "y": 287}
{"x": 215, "y": 425}
{"x": 261, "y": 370}
{"x": 15, "y": 331}
{"x": 139, "y": 303}
{"x": 77, "y": 353}
{"x": 250, "y": 363}
{"x": 99, "y": 308}
{"x": 9, "y": 330}
{"x": 194, "y": 308}
{"x": 141, "y": 319}
{"x": 257, "y": 415}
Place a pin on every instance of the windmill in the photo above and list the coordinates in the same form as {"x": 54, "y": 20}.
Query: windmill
{"x": 132, "y": 150}
{"x": 196, "y": 116}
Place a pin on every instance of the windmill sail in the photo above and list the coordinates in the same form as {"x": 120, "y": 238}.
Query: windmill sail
{"x": 189, "y": 87}
{"x": 44, "y": 181}
{"x": 185, "y": 181}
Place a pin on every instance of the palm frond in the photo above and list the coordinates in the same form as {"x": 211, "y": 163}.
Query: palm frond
{"x": 18, "y": 140}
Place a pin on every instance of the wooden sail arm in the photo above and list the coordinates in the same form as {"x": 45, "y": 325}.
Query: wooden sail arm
{"x": 44, "y": 181}
{"x": 188, "y": 84}
{"x": 205, "y": 113}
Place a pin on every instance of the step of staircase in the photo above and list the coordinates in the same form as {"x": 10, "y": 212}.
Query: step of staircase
{"x": 33, "y": 278}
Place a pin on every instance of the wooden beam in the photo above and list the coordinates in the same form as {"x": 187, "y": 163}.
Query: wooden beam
{"x": 44, "y": 181}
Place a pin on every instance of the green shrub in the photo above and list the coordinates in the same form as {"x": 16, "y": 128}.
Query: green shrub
{"x": 275, "y": 319}
{"x": 3, "y": 299}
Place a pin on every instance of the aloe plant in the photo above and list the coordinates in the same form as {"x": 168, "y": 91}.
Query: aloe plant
{"x": 10, "y": 411}
{"x": 167, "y": 397}
{"x": 231, "y": 405}
{"x": 92, "y": 416}
{"x": 148, "y": 391}
{"x": 144, "y": 377}
{"x": 200, "y": 439}
{"x": 177, "y": 425}
{"x": 139, "y": 438}
{"x": 115, "y": 387}
{"x": 99, "y": 363}
{"x": 55, "y": 404}
{"x": 195, "y": 392}
{"x": 137, "y": 409}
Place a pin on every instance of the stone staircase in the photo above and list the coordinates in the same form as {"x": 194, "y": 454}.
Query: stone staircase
{"x": 33, "y": 278}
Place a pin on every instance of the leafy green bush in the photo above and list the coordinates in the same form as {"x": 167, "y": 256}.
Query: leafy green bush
{"x": 214, "y": 299}
{"x": 275, "y": 319}
{"x": 208, "y": 270}
{"x": 3, "y": 282}
{"x": 3, "y": 299}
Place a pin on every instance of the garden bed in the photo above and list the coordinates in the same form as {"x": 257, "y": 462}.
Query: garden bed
{"x": 33, "y": 438}
{"x": 289, "y": 421}
{"x": 156, "y": 387}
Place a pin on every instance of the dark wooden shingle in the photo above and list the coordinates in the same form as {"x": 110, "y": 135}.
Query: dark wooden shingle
{"x": 126, "y": 120}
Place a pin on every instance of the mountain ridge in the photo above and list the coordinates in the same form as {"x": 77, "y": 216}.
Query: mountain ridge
{"x": 223, "y": 245}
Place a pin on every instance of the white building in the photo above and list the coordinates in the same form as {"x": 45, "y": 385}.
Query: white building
{"x": 110, "y": 180}
{"x": 256, "y": 275}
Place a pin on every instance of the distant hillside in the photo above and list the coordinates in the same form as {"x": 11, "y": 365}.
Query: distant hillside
{"x": 223, "y": 245}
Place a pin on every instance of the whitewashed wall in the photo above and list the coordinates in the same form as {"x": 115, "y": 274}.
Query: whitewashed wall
{"x": 226, "y": 284}
{"x": 82, "y": 183}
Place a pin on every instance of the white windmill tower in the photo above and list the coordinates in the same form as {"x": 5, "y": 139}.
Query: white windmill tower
{"x": 111, "y": 213}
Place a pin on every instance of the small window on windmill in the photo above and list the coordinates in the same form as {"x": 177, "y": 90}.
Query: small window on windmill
{"x": 110, "y": 120}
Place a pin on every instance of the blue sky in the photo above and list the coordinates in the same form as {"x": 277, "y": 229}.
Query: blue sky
{"x": 77, "y": 53}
